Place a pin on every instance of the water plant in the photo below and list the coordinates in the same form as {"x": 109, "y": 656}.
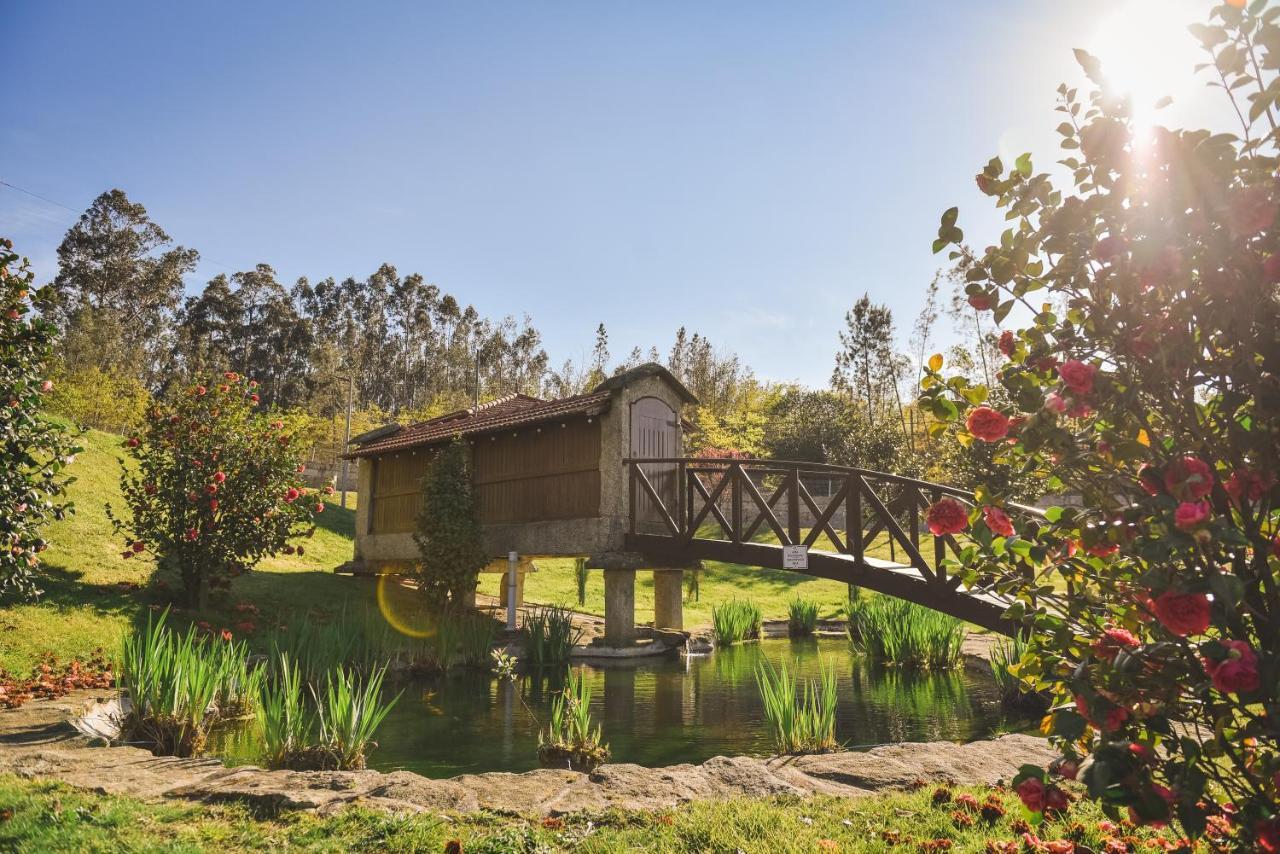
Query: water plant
{"x": 801, "y": 718}
{"x": 180, "y": 686}
{"x": 1004, "y": 658}
{"x": 286, "y": 724}
{"x": 348, "y": 714}
{"x": 802, "y": 617}
{"x": 548, "y": 636}
{"x": 571, "y": 741}
{"x": 895, "y": 631}
{"x": 735, "y": 621}
{"x": 476, "y": 635}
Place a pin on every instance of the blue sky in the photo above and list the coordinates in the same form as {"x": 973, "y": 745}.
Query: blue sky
{"x": 746, "y": 170}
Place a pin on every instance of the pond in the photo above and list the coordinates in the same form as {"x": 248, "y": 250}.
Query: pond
{"x": 674, "y": 710}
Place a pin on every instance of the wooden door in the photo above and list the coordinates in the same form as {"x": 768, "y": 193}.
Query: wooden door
{"x": 655, "y": 433}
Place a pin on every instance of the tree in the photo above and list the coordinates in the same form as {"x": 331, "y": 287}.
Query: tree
{"x": 215, "y": 486}
{"x": 808, "y": 425}
{"x": 117, "y": 287}
{"x": 34, "y": 451}
{"x": 1149, "y": 383}
{"x": 448, "y": 534}
{"x": 598, "y": 371}
{"x": 865, "y": 363}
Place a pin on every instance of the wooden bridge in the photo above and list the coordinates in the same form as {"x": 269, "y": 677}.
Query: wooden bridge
{"x": 748, "y": 511}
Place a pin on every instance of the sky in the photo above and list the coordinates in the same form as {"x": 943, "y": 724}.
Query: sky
{"x": 746, "y": 170}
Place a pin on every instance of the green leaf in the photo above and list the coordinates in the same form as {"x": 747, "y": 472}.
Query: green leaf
{"x": 1023, "y": 164}
{"x": 1053, "y": 514}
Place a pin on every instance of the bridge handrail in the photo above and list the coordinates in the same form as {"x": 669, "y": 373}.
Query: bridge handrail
{"x": 804, "y": 466}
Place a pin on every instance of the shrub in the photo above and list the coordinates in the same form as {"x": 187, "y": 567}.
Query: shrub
{"x": 548, "y": 636}
{"x": 34, "y": 451}
{"x": 448, "y": 533}
{"x": 1145, "y": 381}
{"x": 802, "y": 617}
{"x": 216, "y": 486}
{"x": 801, "y": 719}
{"x": 570, "y": 740}
{"x": 735, "y": 621}
{"x": 102, "y": 399}
{"x": 895, "y": 631}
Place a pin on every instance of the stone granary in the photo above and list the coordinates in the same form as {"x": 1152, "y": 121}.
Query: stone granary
{"x": 551, "y": 481}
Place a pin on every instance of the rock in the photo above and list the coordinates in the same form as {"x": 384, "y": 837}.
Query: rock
{"x": 673, "y": 638}
{"x": 37, "y": 740}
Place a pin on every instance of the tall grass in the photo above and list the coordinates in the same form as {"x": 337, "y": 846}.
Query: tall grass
{"x": 895, "y": 631}
{"x": 180, "y": 686}
{"x": 286, "y": 725}
{"x": 548, "y": 636}
{"x": 571, "y": 740}
{"x": 802, "y": 617}
{"x": 801, "y": 718}
{"x": 735, "y": 621}
{"x": 348, "y": 713}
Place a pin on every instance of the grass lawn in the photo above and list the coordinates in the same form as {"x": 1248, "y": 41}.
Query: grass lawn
{"x": 42, "y": 816}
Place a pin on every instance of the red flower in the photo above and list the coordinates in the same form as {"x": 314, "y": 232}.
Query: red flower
{"x": 1268, "y": 835}
{"x": 138, "y": 546}
{"x": 1055, "y": 402}
{"x": 219, "y": 476}
{"x": 1032, "y": 793}
{"x": 226, "y": 635}
{"x": 982, "y": 302}
{"x": 998, "y": 521}
{"x": 1112, "y": 641}
{"x": 1077, "y": 376}
{"x": 253, "y": 398}
{"x": 1149, "y": 480}
{"x": 1102, "y": 549}
{"x": 231, "y": 376}
{"x": 133, "y": 442}
{"x": 301, "y": 468}
{"x": 319, "y": 508}
{"x": 1183, "y": 613}
{"x": 291, "y": 495}
{"x": 213, "y": 504}
{"x": 191, "y": 535}
{"x": 1109, "y": 248}
{"x": 1188, "y": 478}
{"x": 1007, "y": 344}
{"x": 1056, "y": 799}
{"x": 987, "y": 424}
{"x": 211, "y": 488}
{"x": 1248, "y": 484}
{"x": 46, "y": 386}
{"x": 1238, "y": 672}
{"x": 1068, "y": 768}
{"x": 1191, "y": 515}
{"x": 946, "y": 516}
{"x": 1115, "y": 716}
{"x": 200, "y": 391}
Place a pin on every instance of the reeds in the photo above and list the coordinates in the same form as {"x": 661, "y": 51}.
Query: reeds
{"x": 898, "y": 632}
{"x": 802, "y": 617}
{"x": 548, "y": 636}
{"x": 180, "y": 686}
{"x": 286, "y": 725}
{"x": 801, "y": 718}
{"x": 735, "y": 621}
{"x": 571, "y": 741}
{"x": 348, "y": 714}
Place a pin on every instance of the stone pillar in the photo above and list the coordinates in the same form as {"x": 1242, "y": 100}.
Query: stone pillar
{"x": 503, "y": 586}
{"x": 619, "y": 607}
{"x": 668, "y": 599}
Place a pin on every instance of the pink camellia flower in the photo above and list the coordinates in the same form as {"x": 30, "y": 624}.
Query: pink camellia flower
{"x": 1191, "y": 515}
{"x": 1079, "y": 408}
{"x": 1056, "y": 799}
{"x": 1068, "y": 769}
{"x": 1055, "y": 402}
{"x": 998, "y": 521}
{"x": 1031, "y": 792}
{"x": 46, "y": 386}
{"x": 319, "y": 508}
{"x": 1238, "y": 672}
{"x": 191, "y": 535}
{"x": 987, "y": 424}
{"x": 253, "y": 398}
{"x": 1115, "y": 716}
{"x": 1183, "y": 613}
{"x": 211, "y": 488}
{"x": 219, "y": 476}
{"x": 1007, "y": 344}
{"x": 1077, "y": 376}
{"x": 213, "y": 505}
{"x": 982, "y": 302}
{"x": 1112, "y": 641}
{"x": 1248, "y": 485}
{"x": 946, "y": 516}
{"x": 201, "y": 391}
{"x": 291, "y": 495}
{"x": 1188, "y": 478}
{"x": 1102, "y": 549}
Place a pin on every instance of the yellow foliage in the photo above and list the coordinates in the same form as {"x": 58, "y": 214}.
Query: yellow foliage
{"x": 104, "y": 400}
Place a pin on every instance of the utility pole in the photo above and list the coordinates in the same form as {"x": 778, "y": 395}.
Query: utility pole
{"x": 346, "y": 441}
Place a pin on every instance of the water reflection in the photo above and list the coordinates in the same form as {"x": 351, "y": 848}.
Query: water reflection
{"x": 663, "y": 713}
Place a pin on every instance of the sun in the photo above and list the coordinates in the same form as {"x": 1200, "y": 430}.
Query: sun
{"x": 1147, "y": 52}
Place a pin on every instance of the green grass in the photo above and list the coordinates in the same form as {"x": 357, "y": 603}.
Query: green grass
{"x": 44, "y": 816}
{"x": 90, "y": 598}
{"x": 895, "y": 631}
{"x": 735, "y": 621}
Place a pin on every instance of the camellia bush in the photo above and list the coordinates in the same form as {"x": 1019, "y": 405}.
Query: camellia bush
{"x": 34, "y": 451}
{"x": 1146, "y": 380}
{"x": 216, "y": 486}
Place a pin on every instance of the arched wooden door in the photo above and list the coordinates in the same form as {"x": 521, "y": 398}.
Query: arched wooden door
{"x": 655, "y": 433}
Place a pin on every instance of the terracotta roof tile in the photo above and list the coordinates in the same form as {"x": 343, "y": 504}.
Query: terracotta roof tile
{"x": 514, "y": 410}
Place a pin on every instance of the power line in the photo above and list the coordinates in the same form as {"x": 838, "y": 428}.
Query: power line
{"x": 50, "y": 201}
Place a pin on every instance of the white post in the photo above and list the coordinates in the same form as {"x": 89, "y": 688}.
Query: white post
{"x": 513, "y": 561}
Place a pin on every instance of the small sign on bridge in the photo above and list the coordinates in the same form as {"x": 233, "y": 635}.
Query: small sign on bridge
{"x": 795, "y": 557}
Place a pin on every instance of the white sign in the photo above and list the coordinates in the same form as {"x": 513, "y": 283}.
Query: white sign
{"x": 795, "y": 557}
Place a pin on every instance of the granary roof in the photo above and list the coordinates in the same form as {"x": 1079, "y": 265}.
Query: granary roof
{"x": 513, "y": 410}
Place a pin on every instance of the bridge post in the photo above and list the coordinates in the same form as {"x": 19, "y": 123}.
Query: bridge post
{"x": 619, "y": 607}
{"x": 668, "y": 599}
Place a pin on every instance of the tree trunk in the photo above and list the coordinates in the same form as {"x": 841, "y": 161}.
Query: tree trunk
{"x": 194, "y": 586}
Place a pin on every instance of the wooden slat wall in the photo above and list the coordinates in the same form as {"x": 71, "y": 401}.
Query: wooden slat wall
{"x": 535, "y": 475}
{"x": 532, "y": 476}
{"x": 397, "y": 491}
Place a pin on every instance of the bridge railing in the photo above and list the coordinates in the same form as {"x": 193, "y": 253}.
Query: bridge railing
{"x": 688, "y": 498}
